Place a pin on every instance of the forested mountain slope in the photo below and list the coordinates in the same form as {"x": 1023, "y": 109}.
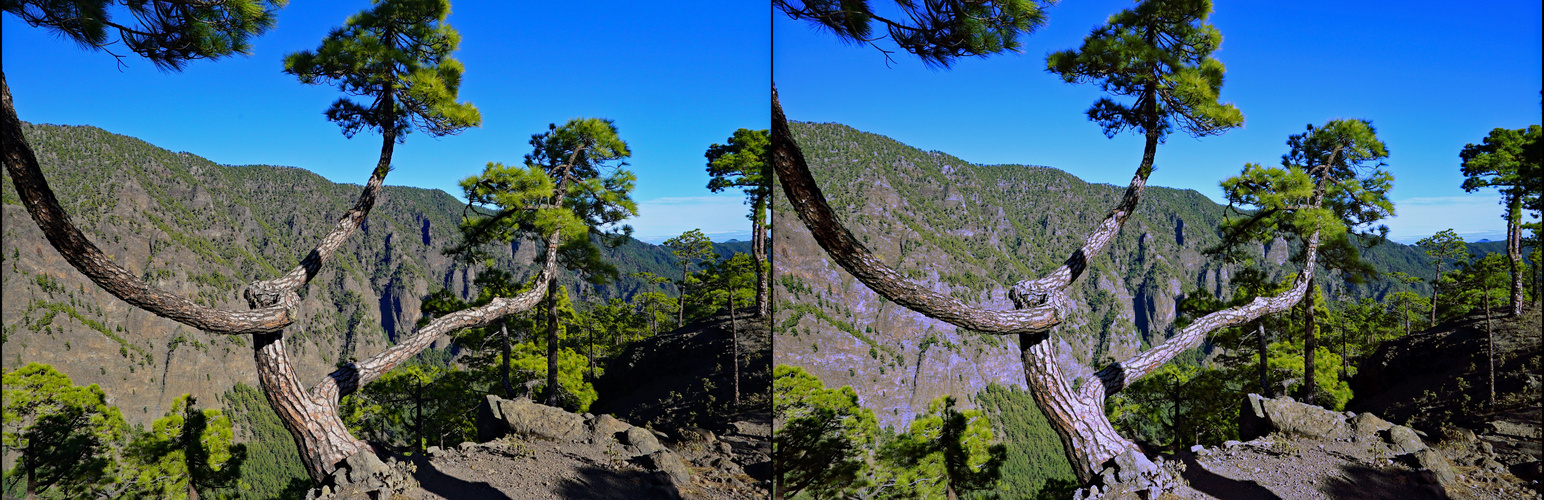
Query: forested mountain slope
{"x": 206, "y": 230}
{"x": 971, "y": 231}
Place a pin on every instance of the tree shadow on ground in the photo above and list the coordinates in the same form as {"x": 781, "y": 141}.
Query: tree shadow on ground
{"x": 1363, "y": 482}
{"x": 1218, "y": 486}
{"x": 595, "y": 483}
{"x": 448, "y": 486}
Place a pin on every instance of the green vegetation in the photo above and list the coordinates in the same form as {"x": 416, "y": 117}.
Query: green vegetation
{"x": 938, "y": 33}
{"x": 690, "y": 248}
{"x": 186, "y": 454}
{"x": 829, "y": 446}
{"x": 823, "y": 445}
{"x": 63, "y": 436}
{"x": 1035, "y": 461}
{"x": 944, "y": 453}
{"x": 271, "y": 469}
{"x": 415, "y": 406}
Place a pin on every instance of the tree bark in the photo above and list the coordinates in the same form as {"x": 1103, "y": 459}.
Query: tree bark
{"x": 759, "y": 254}
{"x": 734, "y": 343}
{"x": 552, "y": 346}
{"x": 810, "y": 205}
{"x": 1406, "y": 316}
{"x": 509, "y": 389}
{"x": 681, "y": 303}
{"x": 1436, "y": 287}
{"x": 1077, "y": 414}
{"x": 1490, "y": 347}
{"x": 1514, "y": 252}
{"x": 1260, "y": 346}
{"x": 311, "y": 416}
{"x": 22, "y": 164}
{"x": 1310, "y": 389}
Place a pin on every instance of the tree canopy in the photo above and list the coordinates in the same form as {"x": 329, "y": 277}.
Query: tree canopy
{"x": 396, "y": 56}
{"x": 188, "y": 450}
{"x": 937, "y": 31}
{"x": 574, "y": 180}
{"x": 1158, "y": 53}
{"x": 822, "y": 441}
{"x": 1331, "y": 182}
{"x": 945, "y": 452}
{"x": 167, "y": 32}
{"x": 1501, "y": 160}
{"x": 62, "y": 434}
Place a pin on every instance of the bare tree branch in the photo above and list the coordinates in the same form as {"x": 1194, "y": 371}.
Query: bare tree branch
{"x": 793, "y": 172}
{"x": 22, "y": 164}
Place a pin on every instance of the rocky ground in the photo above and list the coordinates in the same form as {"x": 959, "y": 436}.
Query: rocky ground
{"x": 1312, "y": 453}
{"x": 689, "y": 443}
{"x": 534, "y": 451}
{"x": 1453, "y": 444}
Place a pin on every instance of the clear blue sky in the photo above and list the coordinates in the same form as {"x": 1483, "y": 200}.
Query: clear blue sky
{"x": 675, "y": 80}
{"x": 1431, "y": 76}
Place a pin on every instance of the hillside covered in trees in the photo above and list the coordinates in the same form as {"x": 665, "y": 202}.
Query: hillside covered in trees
{"x": 971, "y": 231}
{"x": 206, "y": 230}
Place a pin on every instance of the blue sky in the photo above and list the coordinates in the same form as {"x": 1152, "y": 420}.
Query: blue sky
{"x": 675, "y": 81}
{"x": 1431, "y": 76}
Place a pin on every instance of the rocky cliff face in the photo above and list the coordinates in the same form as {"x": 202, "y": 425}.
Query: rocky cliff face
{"x": 206, "y": 230}
{"x": 971, "y": 231}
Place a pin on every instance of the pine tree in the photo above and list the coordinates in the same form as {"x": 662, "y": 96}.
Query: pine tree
{"x": 168, "y": 33}
{"x": 187, "y": 451}
{"x": 742, "y": 163}
{"x": 938, "y": 32}
{"x": 1331, "y": 183}
{"x": 1158, "y": 54}
{"x": 1444, "y": 245}
{"x": 691, "y": 247}
{"x": 944, "y": 453}
{"x": 573, "y": 184}
{"x": 63, "y": 435}
{"x": 822, "y": 445}
{"x": 1501, "y": 162}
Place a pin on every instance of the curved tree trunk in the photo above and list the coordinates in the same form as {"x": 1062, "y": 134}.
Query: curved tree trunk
{"x": 311, "y": 416}
{"x": 1076, "y": 413}
{"x": 810, "y": 204}
{"x": 1088, "y": 437}
{"x": 22, "y": 164}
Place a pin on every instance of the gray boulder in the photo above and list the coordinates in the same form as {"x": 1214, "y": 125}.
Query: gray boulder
{"x": 1514, "y": 429}
{"x": 606, "y": 427}
{"x": 498, "y": 416}
{"x": 362, "y": 476}
{"x": 1367, "y": 425}
{"x": 1251, "y": 418}
{"x": 669, "y": 463}
{"x": 1436, "y": 467}
{"x": 1261, "y": 416}
{"x": 640, "y": 441}
{"x": 1404, "y": 440}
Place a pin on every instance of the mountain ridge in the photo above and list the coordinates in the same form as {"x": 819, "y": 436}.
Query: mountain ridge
{"x": 205, "y": 230}
{"x": 972, "y": 231}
